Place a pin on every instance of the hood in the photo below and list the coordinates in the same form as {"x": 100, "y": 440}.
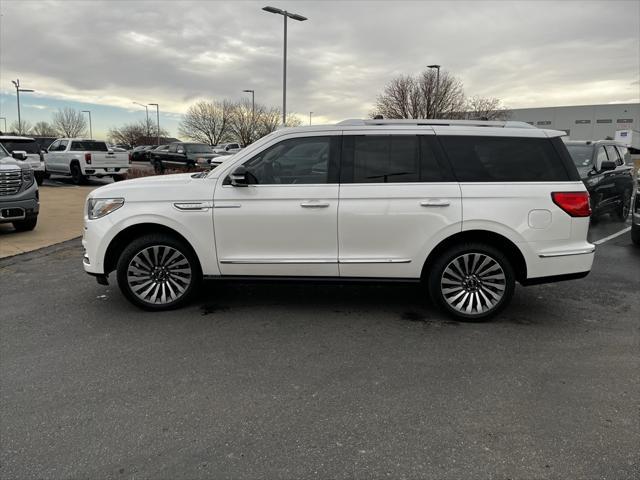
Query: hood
{"x": 10, "y": 163}
{"x": 178, "y": 187}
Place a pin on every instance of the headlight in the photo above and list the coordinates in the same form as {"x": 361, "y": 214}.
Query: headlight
{"x": 27, "y": 176}
{"x": 99, "y": 207}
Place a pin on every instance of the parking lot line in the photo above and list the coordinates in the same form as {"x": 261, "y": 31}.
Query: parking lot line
{"x": 617, "y": 234}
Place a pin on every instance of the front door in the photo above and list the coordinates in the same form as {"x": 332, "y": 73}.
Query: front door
{"x": 284, "y": 223}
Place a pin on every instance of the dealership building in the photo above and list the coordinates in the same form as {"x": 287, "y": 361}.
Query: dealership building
{"x": 584, "y": 122}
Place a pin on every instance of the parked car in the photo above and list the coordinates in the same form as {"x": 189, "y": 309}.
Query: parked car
{"x": 601, "y": 165}
{"x": 185, "y": 155}
{"x": 81, "y": 158}
{"x": 139, "y": 153}
{"x": 635, "y": 219}
{"x": 158, "y": 149}
{"x": 469, "y": 208}
{"x": 26, "y": 149}
{"x": 227, "y": 148}
{"x": 19, "y": 198}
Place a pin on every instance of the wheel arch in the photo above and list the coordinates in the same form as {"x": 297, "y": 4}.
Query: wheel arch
{"x": 127, "y": 235}
{"x": 510, "y": 249}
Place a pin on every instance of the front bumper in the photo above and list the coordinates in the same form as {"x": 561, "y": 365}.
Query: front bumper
{"x": 27, "y": 201}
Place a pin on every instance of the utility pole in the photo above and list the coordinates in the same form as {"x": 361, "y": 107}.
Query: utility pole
{"x": 16, "y": 82}
{"x": 90, "y": 128}
{"x": 158, "y": 117}
{"x": 435, "y": 102}
{"x": 147, "y": 109}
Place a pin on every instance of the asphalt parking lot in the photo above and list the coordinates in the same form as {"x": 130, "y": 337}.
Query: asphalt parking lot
{"x": 295, "y": 381}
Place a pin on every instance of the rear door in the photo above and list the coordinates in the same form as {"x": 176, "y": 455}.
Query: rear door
{"x": 397, "y": 201}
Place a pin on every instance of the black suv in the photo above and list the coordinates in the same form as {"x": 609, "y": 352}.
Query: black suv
{"x": 183, "y": 154}
{"x": 608, "y": 178}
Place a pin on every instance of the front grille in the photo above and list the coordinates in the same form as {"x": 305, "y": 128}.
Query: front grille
{"x": 10, "y": 182}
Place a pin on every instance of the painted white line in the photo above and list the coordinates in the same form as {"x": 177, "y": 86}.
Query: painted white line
{"x": 617, "y": 234}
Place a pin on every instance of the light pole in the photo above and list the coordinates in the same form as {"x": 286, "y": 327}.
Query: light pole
{"x": 293, "y": 16}
{"x": 5, "y": 124}
{"x": 253, "y": 109}
{"x": 435, "y": 103}
{"x": 158, "y": 117}
{"x": 147, "y": 109}
{"x": 310, "y": 113}
{"x": 16, "y": 82}
{"x": 90, "y": 128}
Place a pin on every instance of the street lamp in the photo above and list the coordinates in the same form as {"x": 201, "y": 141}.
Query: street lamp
{"x": 158, "y": 117}
{"x": 147, "y": 109}
{"x": 16, "y": 82}
{"x": 90, "y": 128}
{"x": 253, "y": 109}
{"x": 435, "y": 103}
{"x": 293, "y": 16}
{"x": 5, "y": 124}
{"x": 310, "y": 113}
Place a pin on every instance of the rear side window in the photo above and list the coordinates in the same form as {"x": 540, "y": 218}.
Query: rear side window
{"x": 88, "y": 146}
{"x": 390, "y": 159}
{"x": 504, "y": 159}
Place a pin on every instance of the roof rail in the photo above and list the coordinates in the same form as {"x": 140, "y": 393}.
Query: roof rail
{"x": 356, "y": 122}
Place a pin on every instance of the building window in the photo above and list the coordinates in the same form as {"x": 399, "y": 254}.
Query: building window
{"x": 625, "y": 120}
{"x": 604, "y": 120}
{"x": 580, "y": 122}
{"x": 544, "y": 122}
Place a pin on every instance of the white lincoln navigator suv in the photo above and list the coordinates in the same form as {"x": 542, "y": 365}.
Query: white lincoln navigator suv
{"x": 468, "y": 208}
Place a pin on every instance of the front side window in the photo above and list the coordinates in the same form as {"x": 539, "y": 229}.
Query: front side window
{"x": 601, "y": 156}
{"x": 613, "y": 154}
{"x": 293, "y": 161}
{"x": 582, "y": 155}
{"x": 63, "y": 145}
{"x": 54, "y": 146}
{"x": 504, "y": 159}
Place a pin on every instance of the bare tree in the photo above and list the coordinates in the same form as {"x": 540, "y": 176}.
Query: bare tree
{"x": 44, "y": 129}
{"x": 69, "y": 122}
{"x": 422, "y": 96}
{"x": 486, "y": 108}
{"x": 207, "y": 122}
{"x": 23, "y": 129}
{"x": 135, "y": 134}
{"x": 244, "y": 121}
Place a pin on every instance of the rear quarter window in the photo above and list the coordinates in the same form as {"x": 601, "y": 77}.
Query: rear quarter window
{"x": 506, "y": 159}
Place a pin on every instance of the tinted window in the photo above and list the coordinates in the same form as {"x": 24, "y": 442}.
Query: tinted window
{"x": 582, "y": 155}
{"x": 3, "y": 152}
{"x": 88, "y": 146}
{"x": 624, "y": 153}
{"x": 295, "y": 161}
{"x": 29, "y": 146}
{"x": 63, "y": 145}
{"x": 198, "y": 148}
{"x": 504, "y": 159}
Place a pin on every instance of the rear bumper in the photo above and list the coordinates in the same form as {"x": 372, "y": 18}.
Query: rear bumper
{"x": 106, "y": 171}
{"x": 554, "y": 278}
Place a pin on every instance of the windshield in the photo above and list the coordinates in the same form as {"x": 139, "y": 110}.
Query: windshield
{"x": 198, "y": 148}
{"x": 582, "y": 155}
{"x": 29, "y": 146}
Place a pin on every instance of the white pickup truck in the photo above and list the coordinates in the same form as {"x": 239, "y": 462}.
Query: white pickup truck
{"x": 82, "y": 158}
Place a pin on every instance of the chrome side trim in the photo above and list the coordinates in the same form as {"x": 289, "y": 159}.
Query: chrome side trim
{"x": 266, "y": 261}
{"x": 193, "y": 206}
{"x": 227, "y": 205}
{"x": 375, "y": 260}
{"x": 567, "y": 254}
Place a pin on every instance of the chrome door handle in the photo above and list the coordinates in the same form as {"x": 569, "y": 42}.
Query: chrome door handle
{"x": 314, "y": 205}
{"x": 435, "y": 203}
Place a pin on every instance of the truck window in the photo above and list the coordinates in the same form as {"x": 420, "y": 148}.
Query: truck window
{"x": 63, "y": 145}
{"x": 88, "y": 146}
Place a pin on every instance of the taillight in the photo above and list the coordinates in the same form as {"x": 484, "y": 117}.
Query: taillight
{"x": 87, "y": 157}
{"x": 575, "y": 204}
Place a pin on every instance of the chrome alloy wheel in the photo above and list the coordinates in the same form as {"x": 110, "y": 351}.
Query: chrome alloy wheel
{"x": 473, "y": 283}
{"x": 159, "y": 274}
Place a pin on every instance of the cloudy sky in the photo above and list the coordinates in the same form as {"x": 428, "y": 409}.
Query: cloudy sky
{"x": 104, "y": 55}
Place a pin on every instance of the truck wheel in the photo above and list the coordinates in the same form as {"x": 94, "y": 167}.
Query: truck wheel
{"x": 76, "y": 175}
{"x": 26, "y": 225}
{"x": 622, "y": 212}
{"x": 119, "y": 178}
{"x": 158, "y": 167}
{"x": 158, "y": 272}
{"x": 471, "y": 282}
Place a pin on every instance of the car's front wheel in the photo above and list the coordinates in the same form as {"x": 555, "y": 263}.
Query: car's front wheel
{"x": 158, "y": 272}
{"x": 472, "y": 281}
{"x": 623, "y": 210}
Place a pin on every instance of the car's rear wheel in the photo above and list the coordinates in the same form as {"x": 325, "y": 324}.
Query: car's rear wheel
{"x": 76, "y": 175}
{"x": 158, "y": 272}
{"x": 158, "y": 168}
{"x": 472, "y": 281}
{"x": 622, "y": 212}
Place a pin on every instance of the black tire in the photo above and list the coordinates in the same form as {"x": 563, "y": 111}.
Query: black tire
{"x": 158, "y": 167}
{"x": 622, "y": 212}
{"x": 119, "y": 178}
{"x": 76, "y": 175}
{"x": 26, "y": 225}
{"x": 39, "y": 177}
{"x": 635, "y": 234}
{"x": 478, "y": 289}
{"x": 133, "y": 257}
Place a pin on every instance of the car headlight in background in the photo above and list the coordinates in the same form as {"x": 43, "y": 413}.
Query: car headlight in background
{"x": 27, "y": 176}
{"x": 99, "y": 207}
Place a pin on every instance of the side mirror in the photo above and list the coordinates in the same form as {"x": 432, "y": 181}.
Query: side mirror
{"x": 607, "y": 165}
{"x": 44, "y": 150}
{"x": 239, "y": 177}
{"x": 19, "y": 154}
